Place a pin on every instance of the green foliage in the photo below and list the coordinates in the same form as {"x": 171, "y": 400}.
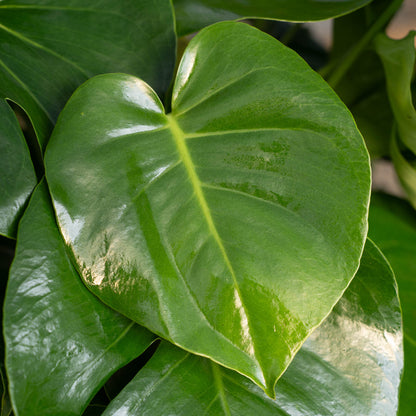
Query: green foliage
{"x": 57, "y": 333}
{"x": 194, "y": 15}
{"x": 398, "y": 59}
{"x": 197, "y": 244}
{"x": 393, "y": 226}
{"x": 185, "y": 182}
{"x": 360, "y": 325}
{"x": 17, "y": 174}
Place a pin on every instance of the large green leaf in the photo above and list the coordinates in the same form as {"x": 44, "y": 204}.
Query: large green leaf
{"x": 49, "y": 47}
{"x": 61, "y": 342}
{"x": 17, "y": 176}
{"x": 393, "y": 227}
{"x": 193, "y": 15}
{"x": 239, "y": 217}
{"x": 349, "y": 366}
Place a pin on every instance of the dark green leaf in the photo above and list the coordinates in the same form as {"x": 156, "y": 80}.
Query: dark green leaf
{"x": 61, "y": 342}
{"x": 193, "y": 15}
{"x": 6, "y": 256}
{"x": 239, "y": 217}
{"x": 49, "y": 47}
{"x": 393, "y": 227}
{"x": 5, "y": 406}
{"x": 349, "y": 366}
{"x": 17, "y": 176}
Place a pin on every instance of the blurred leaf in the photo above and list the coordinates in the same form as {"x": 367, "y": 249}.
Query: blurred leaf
{"x": 398, "y": 57}
{"x": 5, "y": 406}
{"x": 61, "y": 342}
{"x": 393, "y": 228}
{"x": 193, "y": 15}
{"x": 349, "y": 366}
{"x": 405, "y": 167}
{"x": 248, "y": 201}
{"x": 361, "y": 85}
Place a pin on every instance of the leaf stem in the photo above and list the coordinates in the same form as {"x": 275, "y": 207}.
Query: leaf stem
{"x": 356, "y": 50}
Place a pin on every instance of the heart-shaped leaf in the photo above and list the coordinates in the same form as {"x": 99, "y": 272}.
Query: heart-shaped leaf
{"x": 17, "y": 176}
{"x": 349, "y": 366}
{"x": 230, "y": 226}
{"x": 74, "y": 40}
{"x": 62, "y": 343}
{"x": 193, "y": 15}
{"x": 393, "y": 227}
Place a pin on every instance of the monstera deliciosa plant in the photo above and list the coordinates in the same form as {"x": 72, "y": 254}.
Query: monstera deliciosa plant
{"x": 187, "y": 235}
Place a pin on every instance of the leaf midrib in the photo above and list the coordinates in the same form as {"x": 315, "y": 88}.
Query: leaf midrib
{"x": 179, "y": 139}
{"x": 220, "y": 388}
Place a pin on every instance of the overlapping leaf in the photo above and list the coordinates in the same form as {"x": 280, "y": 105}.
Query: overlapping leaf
{"x": 393, "y": 227}
{"x": 194, "y": 15}
{"x": 48, "y": 48}
{"x": 230, "y": 226}
{"x": 17, "y": 176}
{"x": 349, "y": 366}
{"x": 61, "y": 341}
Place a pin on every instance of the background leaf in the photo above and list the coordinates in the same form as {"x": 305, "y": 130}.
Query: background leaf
{"x": 48, "y": 48}
{"x": 240, "y": 216}
{"x": 17, "y": 175}
{"x": 194, "y": 15}
{"x": 349, "y": 366}
{"x": 61, "y": 342}
{"x": 356, "y": 72}
{"x": 393, "y": 227}
{"x": 398, "y": 57}
{"x": 7, "y": 247}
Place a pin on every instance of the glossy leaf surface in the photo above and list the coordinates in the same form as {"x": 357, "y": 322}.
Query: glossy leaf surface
{"x": 240, "y": 216}
{"x": 194, "y": 15}
{"x": 49, "y": 47}
{"x": 62, "y": 343}
{"x": 393, "y": 227}
{"x": 349, "y": 366}
{"x": 17, "y": 176}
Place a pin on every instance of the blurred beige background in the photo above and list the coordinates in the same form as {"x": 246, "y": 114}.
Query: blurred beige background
{"x": 404, "y": 21}
{"x": 384, "y": 175}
